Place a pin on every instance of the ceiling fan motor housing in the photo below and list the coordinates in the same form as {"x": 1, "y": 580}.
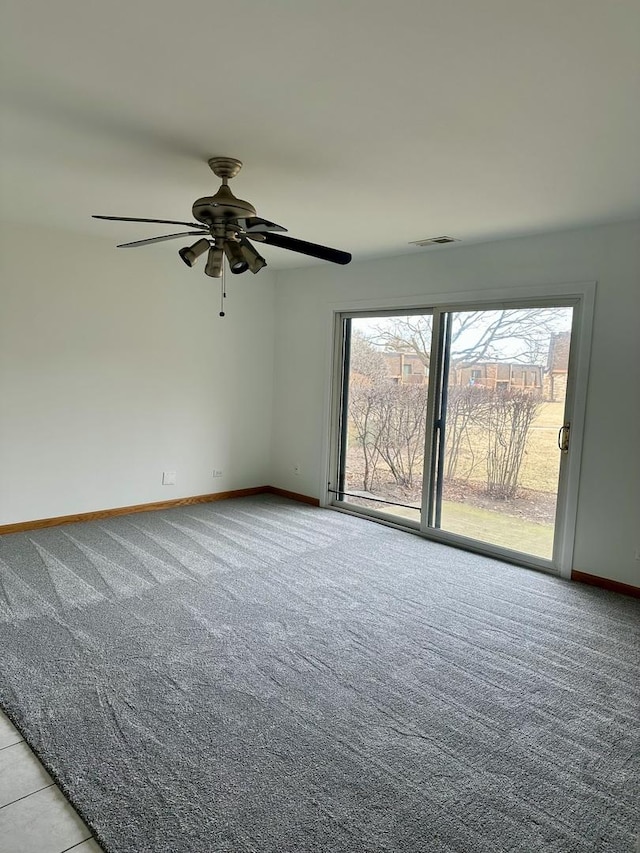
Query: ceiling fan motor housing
{"x": 221, "y": 206}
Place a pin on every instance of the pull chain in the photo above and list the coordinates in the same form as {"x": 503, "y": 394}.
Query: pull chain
{"x": 223, "y": 288}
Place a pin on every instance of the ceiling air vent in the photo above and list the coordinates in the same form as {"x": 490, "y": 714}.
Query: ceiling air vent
{"x": 433, "y": 241}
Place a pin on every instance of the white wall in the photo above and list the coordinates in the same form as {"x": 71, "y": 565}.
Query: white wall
{"x": 115, "y": 366}
{"x": 608, "y": 523}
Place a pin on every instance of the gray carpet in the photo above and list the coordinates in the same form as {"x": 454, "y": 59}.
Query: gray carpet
{"x": 257, "y": 675}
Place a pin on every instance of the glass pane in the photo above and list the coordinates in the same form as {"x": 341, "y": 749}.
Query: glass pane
{"x": 503, "y": 407}
{"x": 386, "y": 407}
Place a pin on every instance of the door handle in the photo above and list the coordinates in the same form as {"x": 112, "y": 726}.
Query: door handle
{"x": 563, "y": 437}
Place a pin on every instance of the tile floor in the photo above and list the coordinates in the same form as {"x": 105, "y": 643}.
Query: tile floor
{"x": 35, "y": 817}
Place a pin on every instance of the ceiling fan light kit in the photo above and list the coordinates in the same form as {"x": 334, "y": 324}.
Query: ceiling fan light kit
{"x": 253, "y": 259}
{"x": 237, "y": 263}
{"x": 224, "y": 224}
{"x": 191, "y": 254}
{"x": 215, "y": 260}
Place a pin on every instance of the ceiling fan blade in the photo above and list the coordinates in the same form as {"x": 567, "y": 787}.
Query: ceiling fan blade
{"x": 254, "y": 224}
{"x": 159, "y": 239}
{"x": 157, "y": 221}
{"x": 305, "y": 248}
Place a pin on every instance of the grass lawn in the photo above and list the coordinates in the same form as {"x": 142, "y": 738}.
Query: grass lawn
{"x": 539, "y": 472}
{"x": 498, "y": 529}
{"x": 487, "y": 526}
{"x": 541, "y": 462}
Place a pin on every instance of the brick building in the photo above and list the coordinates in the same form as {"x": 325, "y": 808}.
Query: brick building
{"x": 549, "y": 381}
{"x": 406, "y": 368}
{"x": 555, "y": 377}
{"x": 493, "y": 374}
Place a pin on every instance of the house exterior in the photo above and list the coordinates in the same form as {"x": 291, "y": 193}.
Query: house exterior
{"x": 497, "y": 375}
{"x": 406, "y": 368}
{"x": 555, "y": 377}
{"x": 550, "y": 381}
{"x": 409, "y": 369}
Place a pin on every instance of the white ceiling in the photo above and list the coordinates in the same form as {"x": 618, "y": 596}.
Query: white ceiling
{"x": 362, "y": 124}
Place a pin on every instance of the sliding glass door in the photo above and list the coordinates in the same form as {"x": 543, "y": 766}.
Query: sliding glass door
{"x": 457, "y": 423}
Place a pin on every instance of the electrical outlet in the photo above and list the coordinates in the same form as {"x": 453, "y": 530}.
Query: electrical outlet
{"x": 168, "y": 478}
{"x": 296, "y": 469}
{"x": 637, "y": 553}
{"x": 217, "y": 472}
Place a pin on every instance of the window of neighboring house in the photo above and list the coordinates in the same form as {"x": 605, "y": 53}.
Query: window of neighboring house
{"x": 407, "y": 369}
{"x": 524, "y": 377}
{"x": 476, "y": 374}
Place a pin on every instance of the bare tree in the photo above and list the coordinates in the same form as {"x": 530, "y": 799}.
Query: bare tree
{"x": 387, "y": 419}
{"x": 368, "y": 381}
{"x": 410, "y": 334}
{"x": 401, "y": 436}
{"x": 506, "y": 335}
{"x": 366, "y": 360}
{"x": 513, "y": 335}
{"x": 509, "y": 416}
{"x": 466, "y": 406}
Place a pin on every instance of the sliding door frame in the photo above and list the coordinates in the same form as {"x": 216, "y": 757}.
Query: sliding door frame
{"x": 580, "y": 297}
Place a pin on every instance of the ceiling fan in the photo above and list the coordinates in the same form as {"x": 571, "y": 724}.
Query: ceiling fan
{"x": 227, "y": 226}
